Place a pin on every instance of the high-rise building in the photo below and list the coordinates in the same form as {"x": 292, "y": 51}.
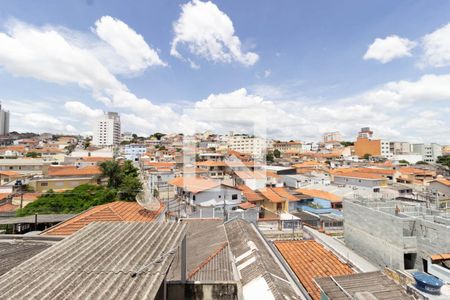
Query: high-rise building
{"x": 430, "y": 152}
{"x": 330, "y": 137}
{"x": 374, "y": 147}
{"x": 4, "y": 121}
{"x": 107, "y": 130}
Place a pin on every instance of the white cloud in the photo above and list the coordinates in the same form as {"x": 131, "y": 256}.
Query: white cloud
{"x": 82, "y": 110}
{"x": 436, "y": 46}
{"x": 209, "y": 33}
{"x": 128, "y": 44}
{"x": 46, "y": 54}
{"x": 389, "y": 48}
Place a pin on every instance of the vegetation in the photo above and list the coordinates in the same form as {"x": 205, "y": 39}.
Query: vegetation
{"x": 421, "y": 163}
{"x": 277, "y": 153}
{"x": 346, "y": 144}
{"x": 69, "y": 202}
{"x": 157, "y": 135}
{"x": 444, "y": 160}
{"x": 367, "y": 156}
{"x": 122, "y": 184}
{"x": 269, "y": 157}
{"x": 402, "y": 161}
{"x": 86, "y": 143}
{"x": 33, "y": 154}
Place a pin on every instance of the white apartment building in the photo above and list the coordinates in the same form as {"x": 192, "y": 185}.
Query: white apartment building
{"x": 107, "y": 130}
{"x": 243, "y": 143}
{"x": 400, "y": 148}
{"x": 4, "y": 121}
{"x": 334, "y": 136}
{"x": 386, "y": 149}
{"x": 430, "y": 152}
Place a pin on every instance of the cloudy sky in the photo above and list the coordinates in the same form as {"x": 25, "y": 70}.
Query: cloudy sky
{"x": 294, "y": 69}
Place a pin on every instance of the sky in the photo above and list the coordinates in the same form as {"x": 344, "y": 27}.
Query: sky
{"x": 289, "y": 69}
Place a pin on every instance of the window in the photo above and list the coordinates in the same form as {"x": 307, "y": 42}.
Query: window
{"x": 44, "y": 183}
{"x": 234, "y": 197}
{"x": 193, "y": 198}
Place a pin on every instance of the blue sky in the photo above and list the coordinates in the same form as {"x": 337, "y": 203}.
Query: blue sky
{"x": 302, "y": 61}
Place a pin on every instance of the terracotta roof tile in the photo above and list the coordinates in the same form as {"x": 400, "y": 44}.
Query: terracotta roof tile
{"x": 251, "y": 174}
{"x": 194, "y": 184}
{"x": 320, "y": 194}
{"x": 246, "y": 205}
{"x": 114, "y": 211}
{"x": 8, "y": 207}
{"x": 73, "y": 171}
{"x": 250, "y": 194}
{"x": 308, "y": 260}
{"x": 444, "y": 181}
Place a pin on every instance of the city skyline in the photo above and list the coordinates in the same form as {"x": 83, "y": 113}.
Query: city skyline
{"x": 312, "y": 68}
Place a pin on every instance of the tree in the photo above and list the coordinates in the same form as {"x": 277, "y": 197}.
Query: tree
{"x": 112, "y": 170}
{"x": 269, "y": 157}
{"x": 421, "y": 162}
{"x": 444, "y": 160}
{"x": 33, "y": 154}
{"x": 157, "y": 135}
{"x": 403, "y": 161}
{"x": 277, "y": 153}
{"x": 346, "y": 144}
{"x": 129, "y": 169}
{"x": 367, "y": 156}
{"x": 86, "y": 143}
{"x": 70, "y": 148}
{"x": 130, "y": 187}
{"x": 69, "y": 202}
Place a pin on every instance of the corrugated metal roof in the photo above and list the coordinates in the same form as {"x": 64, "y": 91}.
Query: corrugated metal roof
{"x": 254, "y": 260}
{"x": 14, "y": 252}
{"x": 374, "y": 285}
{"x": 52, "y": 218}
{"x": 207, "y": 252}
{"x": 98, "y": 262}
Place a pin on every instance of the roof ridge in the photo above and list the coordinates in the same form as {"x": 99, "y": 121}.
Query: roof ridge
{"x": 111, "y": 207}
{"x": 207, "y": 260}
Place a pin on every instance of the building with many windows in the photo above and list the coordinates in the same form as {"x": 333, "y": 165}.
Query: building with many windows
{"x": 430, "y": 152}
{"x": 4, "y": 121}
{"x": 107, "y": 130}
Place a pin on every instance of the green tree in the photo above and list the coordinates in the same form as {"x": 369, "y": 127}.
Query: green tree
{"x": 403, "y": 161}
{"x": 129, "y": 169}
{"x": 69, "y": 202}
{"x": 277, "y": 153}
{"x": 157, "y": 135}
{"x": 367, "y": 156}
{"x": 112, "y": 170}
{"x": 130, "y": 187}
{"x": 33, "y": 154}
{"x": 269, "y": 157}
{"x": 346, "y": 144}
{"x": 421, "y": 163}
{"x": 444, "y": 160}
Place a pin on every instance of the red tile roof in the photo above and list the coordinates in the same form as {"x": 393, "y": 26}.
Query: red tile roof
{"x": 73, "y": 171}
{"x": 320, "y": 194}
{"x": 277, "y": 194}
{"x": 114, "y": 211}
{"x": 309, "y": 260}
{"x": 250, "y": 194}
{"x": 251, "y": 174}
{"x": 8, "y": 207}
{"x": 194, "y": 184}
{"x": 246, "y": 205}
{"x": 444, "y": 181}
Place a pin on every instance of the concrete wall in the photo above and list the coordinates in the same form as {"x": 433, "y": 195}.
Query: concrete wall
{"x": 375, "y": 235}
{"x": 358, "y": 182}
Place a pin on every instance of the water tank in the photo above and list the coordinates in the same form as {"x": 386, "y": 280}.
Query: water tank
{"x": 428, "y": 283}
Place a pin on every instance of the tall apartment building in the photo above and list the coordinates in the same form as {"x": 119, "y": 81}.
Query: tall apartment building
{"x": 107, "y": 130}
{"x": 400, "y": 148}
{"x": 334, "y": 136}
{"x": 430, "y": 152}
{"x": 375, "y": 147}
{"x": 4, "y": 121}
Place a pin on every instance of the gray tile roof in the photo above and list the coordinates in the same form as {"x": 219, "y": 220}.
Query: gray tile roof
{"x": 254, "y": 259}
{"x": 14, "y": 252}
{"x": 51, "y": 218}
{"x": 371, "y": 285}
{"x": 98, "y": 263}
{"x": 207, "y": 253}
